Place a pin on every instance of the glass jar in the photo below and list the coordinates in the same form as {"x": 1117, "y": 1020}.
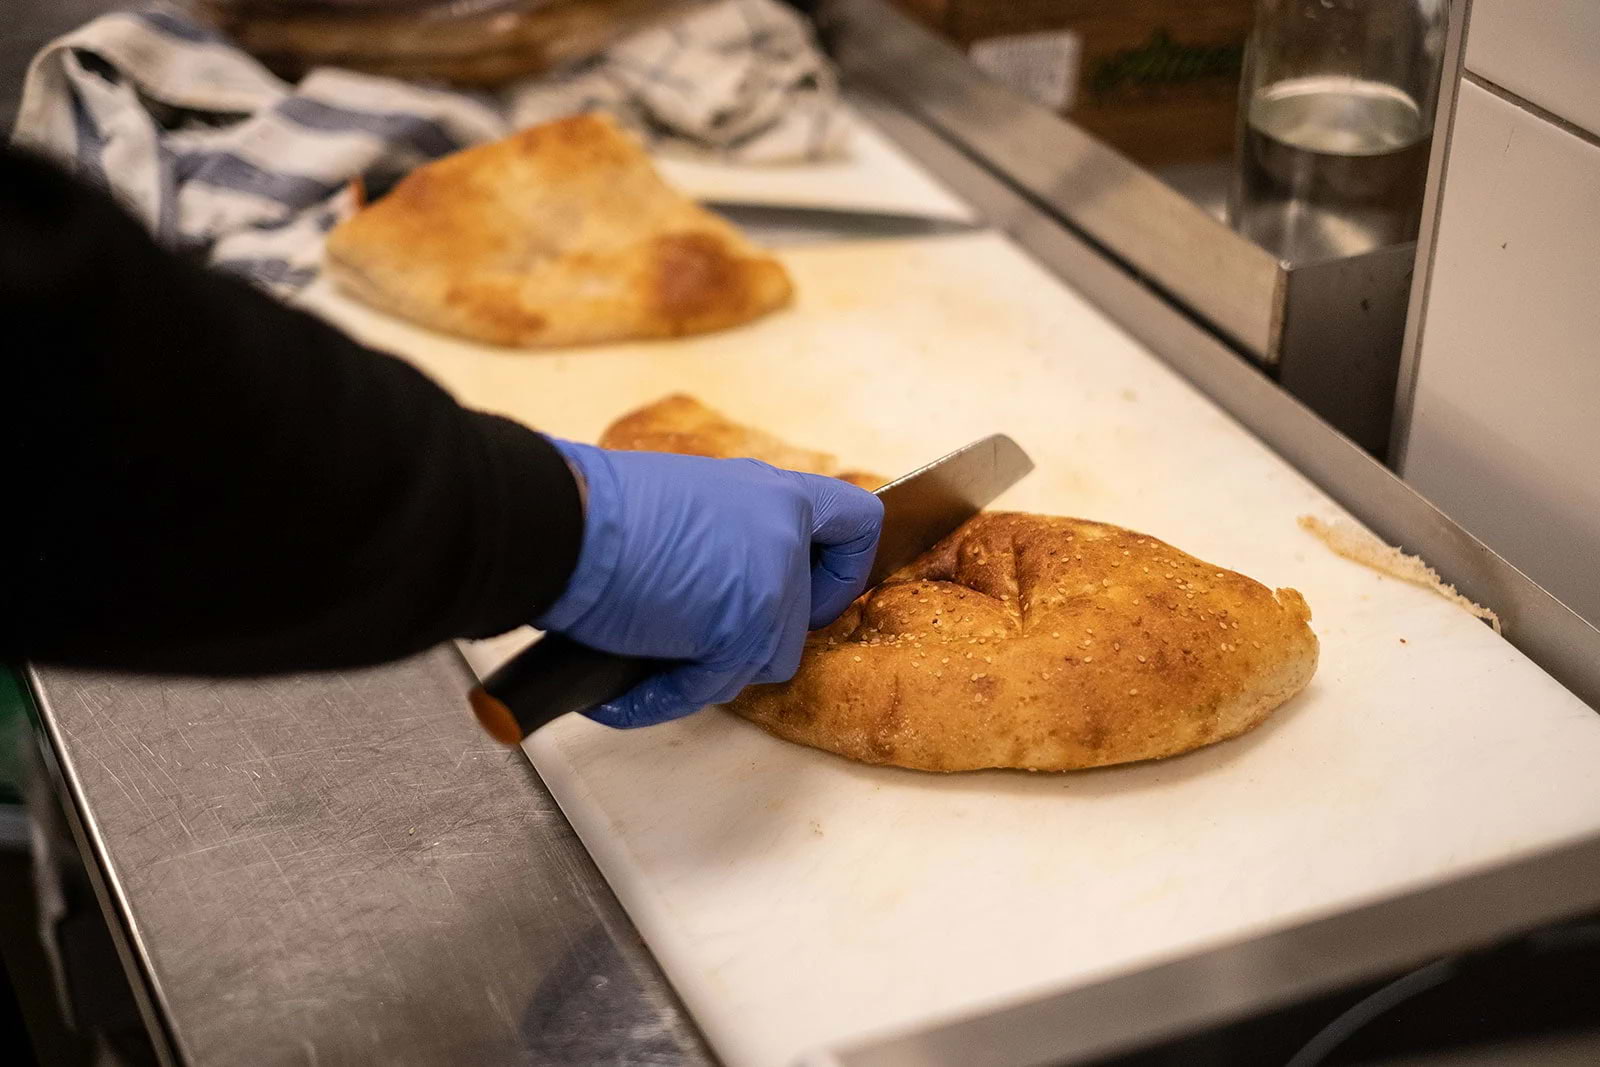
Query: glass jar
{"x": 1335, "y": 122}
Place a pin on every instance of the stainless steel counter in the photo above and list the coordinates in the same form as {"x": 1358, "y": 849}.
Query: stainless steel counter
{"x": 342, "y": 868}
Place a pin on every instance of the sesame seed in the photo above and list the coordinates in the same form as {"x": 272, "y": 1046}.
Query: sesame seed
{"x": 1088, "y": 659}
{"x": 1236, "y": 624}
{"x": 1167, "y": 575}
{"x": 1116, "y": 646}
{"x": 1105, "y": 581}
{"x": 1142, "y": 659}
{"x": 1055, "y": 633}
{"x": 1133, "y": 692}
{"x": 988, "y": 659}
{"x": 857, "y": 659}
{"x": 945, "y": 660}
{"x": 975, "y": 677}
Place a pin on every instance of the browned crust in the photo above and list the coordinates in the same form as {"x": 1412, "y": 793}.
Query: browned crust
{"x": 560, "y": 234}
{"x": 1044, "y": 643}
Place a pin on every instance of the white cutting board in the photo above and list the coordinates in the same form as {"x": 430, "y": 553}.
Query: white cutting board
{"x": 796, "y": 899}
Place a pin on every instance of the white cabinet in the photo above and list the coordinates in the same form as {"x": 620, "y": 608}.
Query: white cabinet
{"x": 1546, "y": 51}
{"x": 1505, "y": 433}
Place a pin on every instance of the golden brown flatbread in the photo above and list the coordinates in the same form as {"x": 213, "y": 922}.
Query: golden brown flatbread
{"x": 680, "y": 423}
{"x": 561, "y": 234}
{"x": 1029, "y": 641}
{"x": 1044, "y": 643}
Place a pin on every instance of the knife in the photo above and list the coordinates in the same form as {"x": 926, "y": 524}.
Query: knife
{"x": 794, "y": 223}
{"x": 557, "y": 675}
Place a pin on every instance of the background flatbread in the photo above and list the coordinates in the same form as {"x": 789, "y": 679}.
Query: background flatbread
{"x": 561, "y": 234}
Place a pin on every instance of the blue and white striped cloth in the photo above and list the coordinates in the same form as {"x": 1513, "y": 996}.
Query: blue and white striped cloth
{"x": 223, "y": 160}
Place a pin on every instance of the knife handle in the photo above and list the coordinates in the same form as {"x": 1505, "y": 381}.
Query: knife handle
{"x": 551, "y": 677}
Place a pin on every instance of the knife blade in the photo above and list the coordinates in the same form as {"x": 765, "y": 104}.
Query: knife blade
{"x": 557, "y": 675}
{"x": 797, "y": 223}
{"x": 920, "y": 508}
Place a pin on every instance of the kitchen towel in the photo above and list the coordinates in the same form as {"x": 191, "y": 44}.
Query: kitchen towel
{"x": 225, "y": 161}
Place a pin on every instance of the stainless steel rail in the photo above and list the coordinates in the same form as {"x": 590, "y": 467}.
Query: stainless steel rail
{"x": 1109, "y": 199}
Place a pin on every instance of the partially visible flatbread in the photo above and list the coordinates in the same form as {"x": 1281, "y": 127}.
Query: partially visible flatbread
{"x": 561, "y": 234}
{"x": 682, "y": 424}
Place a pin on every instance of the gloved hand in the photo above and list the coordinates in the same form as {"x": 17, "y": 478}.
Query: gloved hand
{"x": 708, "y": 561}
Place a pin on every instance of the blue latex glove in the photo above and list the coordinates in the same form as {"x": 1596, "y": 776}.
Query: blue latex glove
{"x": 708, "y": 561}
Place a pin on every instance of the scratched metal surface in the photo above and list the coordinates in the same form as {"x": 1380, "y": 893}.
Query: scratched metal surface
{"x": 341, "y": 868}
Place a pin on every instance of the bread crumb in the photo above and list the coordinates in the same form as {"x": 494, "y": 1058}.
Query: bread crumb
{"x": 1353, "y": 543}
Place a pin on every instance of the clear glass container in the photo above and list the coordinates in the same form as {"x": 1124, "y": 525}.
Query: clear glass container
{"x": 1335, "y": 121}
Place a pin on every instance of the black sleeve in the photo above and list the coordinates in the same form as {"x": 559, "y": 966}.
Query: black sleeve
{"x": 200, "y": 479}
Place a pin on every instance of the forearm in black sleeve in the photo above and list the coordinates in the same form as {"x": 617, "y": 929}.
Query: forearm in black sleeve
{"x": 201, "y": 479}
